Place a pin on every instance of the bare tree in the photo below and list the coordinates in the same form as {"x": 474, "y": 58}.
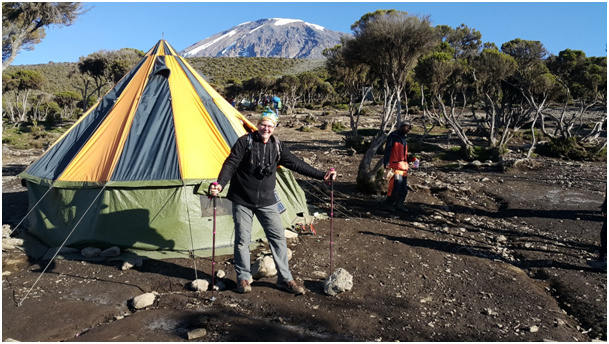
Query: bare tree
{"x": 390, "y": 43}
{"x": 97, "y": 72}
{"x": 17, "y": 89}
{"x": 492, "y": 68}
{"x": 288, "y": 85}
{"x": 584, "y": 81}
{"x": 352, "y": 78}
{"x": 532, "y": 79}
{"x": 23, "y": 24}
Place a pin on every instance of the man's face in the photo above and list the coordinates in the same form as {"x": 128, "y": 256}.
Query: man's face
{"x": 405, "y": 129}
{"x": 265, "y": 129}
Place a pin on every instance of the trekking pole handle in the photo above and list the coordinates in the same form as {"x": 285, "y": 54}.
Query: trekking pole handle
{"x": 212, "y": 184}
{"x": 331, "y": 180}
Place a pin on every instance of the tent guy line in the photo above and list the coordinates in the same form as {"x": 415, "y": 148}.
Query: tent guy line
{"x": 60, "y": 247}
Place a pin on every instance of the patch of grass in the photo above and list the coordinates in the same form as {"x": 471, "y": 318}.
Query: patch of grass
{"x": 31, "y": 135}
{"x": 305, "y": 129}
{"x": 310, "y": 119}
{"x": 570, "y": 148}
{"x": 417, "y": 147}
{"x": 483, "y": 153}
{"x": 338, "y": 126}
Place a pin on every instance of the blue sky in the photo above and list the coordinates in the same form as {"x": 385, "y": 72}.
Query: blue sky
{"x": 116, "y": 25}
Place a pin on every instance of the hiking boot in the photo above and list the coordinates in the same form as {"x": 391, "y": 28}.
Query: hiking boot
{"x": 244, "y": 287}
{"x": 389, "y": 207}
{"x": 292, "y": 287}
{"x": 401, "y": 208}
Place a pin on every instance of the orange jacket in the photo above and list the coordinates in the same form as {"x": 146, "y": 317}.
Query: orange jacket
{"x": 396, "y": 152}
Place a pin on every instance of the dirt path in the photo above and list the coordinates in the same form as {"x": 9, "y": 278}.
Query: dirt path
{"x": 481, "y": 255}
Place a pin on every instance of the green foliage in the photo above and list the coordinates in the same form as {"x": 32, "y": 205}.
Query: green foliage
{"x": 25, "y": 79}
{"x": 67, "y": 98}
{"x": 338, "y": 126}
{"x": 53, "y": 112}
{"x": 483, "y": 153}
{"x": 310, "y": 119}
{"x": 305, "y": 129}
{"x": 24, "y": 23}
{"x": 219, "y": 70}
{"x": 31, "y": 135}
{"x": 570, "y": 148}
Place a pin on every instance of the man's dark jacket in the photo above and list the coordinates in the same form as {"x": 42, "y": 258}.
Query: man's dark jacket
{"x": 249, "y": 188}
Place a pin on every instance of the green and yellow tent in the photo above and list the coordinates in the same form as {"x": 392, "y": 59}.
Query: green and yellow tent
{"x": 128, "y": 173}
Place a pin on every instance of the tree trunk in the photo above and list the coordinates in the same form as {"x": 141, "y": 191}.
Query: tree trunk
{"x": 534, "y": 142}
{"x": 366, "y": 175}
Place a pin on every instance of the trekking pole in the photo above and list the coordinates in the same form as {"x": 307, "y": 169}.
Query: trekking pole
{"x": 213, "y": 250}
{"x": 331, "y": 220}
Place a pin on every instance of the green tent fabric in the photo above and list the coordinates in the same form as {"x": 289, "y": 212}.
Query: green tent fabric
{"x": 134, "y": 170}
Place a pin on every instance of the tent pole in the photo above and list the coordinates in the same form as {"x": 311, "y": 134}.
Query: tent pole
{"x": 213, "y": 250}
{"x": 62, "y": 245}
{"x": 331, "y": 222}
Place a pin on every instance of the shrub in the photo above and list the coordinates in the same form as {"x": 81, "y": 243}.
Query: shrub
{"x": 570, "y": 148}
{"x": 338, "y": 126}
{"x": 310, "y": 119}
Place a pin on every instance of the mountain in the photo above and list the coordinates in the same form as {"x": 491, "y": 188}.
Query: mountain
{"x": 275, "y": 37}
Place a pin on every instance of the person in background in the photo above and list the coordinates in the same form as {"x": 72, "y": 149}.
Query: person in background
{"x": 396, "y": 158}
{"x": 251, "y": 169}
{"x": 276, "y": 104}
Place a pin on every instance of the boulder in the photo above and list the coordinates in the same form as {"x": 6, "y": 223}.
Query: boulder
{"x": 197, "y": 333}
{"x": 143, "y": 301}
{"x": 199, "y": 285}
{"x": 264, "y": 267}
{"x": 340, "y": 281}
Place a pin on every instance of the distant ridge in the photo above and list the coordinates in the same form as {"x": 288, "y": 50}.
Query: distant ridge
{"x": 274, "y": 37}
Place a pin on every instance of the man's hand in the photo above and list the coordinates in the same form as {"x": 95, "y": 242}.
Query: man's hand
{"x": 331, "y": 174}
{"x": 215, "y": 189}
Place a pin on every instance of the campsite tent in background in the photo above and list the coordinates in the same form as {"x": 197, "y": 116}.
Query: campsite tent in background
{"x": 129, "y": 171}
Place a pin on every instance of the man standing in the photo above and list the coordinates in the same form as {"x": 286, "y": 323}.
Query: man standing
{"x": 396, "y": 158}
{"x": 251, "y": 169}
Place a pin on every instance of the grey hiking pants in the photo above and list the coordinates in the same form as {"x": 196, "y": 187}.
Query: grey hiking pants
{"x": 270, "y": 220}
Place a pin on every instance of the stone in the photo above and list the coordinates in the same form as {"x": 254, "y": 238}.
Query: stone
{"x": 127, "y": 265}
{"x": 199, "y": 285}
{"x": 6, "y": 231}
{"x": 143, "y": 301}
{"x": 319, "y": 274}
{"x": 131, "y": 262}
{"x": 197, "y": 333}
{"x": 11, "y": 243}
{"x": 290, "y": 235}
{"x": 220, "y": 274}
{"x": 340, "y": 281}
{"x": 264, "y": 267}
{"x": 113, "y": 251}
{"x": 90, "y": 252}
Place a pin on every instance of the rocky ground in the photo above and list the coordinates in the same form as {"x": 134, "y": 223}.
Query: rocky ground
{"x": 480, "y": 255}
